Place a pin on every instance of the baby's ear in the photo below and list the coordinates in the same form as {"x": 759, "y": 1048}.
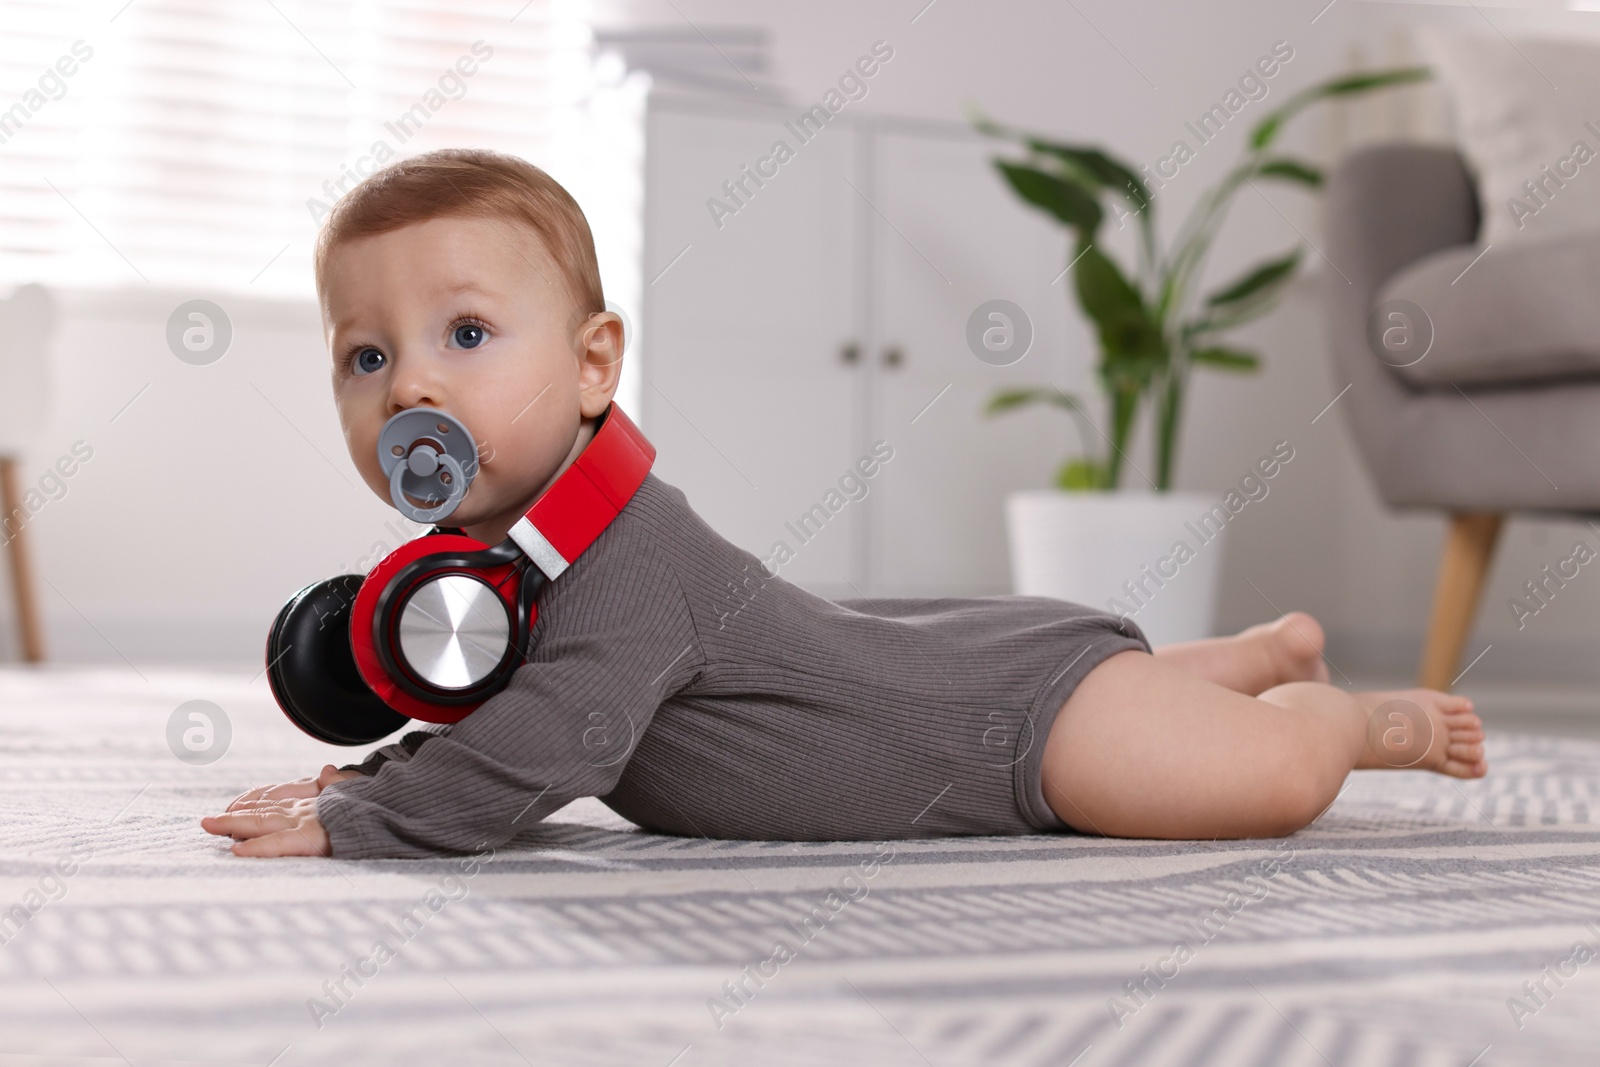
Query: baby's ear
{"x": 600, "y": 342}
{"x": 601, "y": 338}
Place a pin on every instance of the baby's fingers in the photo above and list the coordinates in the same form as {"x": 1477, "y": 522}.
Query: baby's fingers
{"x": 246, "y": 824}
{"x": 283, "y": 828}
{"x": 294, "y": 841}
{"x": 249, "y": 796}
{"x": 300, "y": 787}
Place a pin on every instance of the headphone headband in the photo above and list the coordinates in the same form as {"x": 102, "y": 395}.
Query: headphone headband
{"x": 571, "y": 513}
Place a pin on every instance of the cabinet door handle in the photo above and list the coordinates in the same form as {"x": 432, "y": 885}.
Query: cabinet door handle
{"x": 850, "y": 353}
{"x": 893, "y": 356}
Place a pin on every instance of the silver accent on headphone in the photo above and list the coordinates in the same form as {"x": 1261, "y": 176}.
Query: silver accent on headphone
{"x": 454, "y": 631}
{"x": 537, "y": 548}
{"x": 428, "y": 455}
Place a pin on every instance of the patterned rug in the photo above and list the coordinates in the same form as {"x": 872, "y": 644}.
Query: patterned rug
{"x": 1420, "y": 921}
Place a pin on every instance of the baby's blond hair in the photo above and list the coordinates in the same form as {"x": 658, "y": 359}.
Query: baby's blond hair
{"x": 470, "y": 183}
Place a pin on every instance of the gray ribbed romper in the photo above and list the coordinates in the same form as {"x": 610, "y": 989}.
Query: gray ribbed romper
{"x": 694, "y": 694}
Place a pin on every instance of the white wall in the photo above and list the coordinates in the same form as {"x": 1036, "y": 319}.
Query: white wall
{"x": 1128, "y": 75}
{"x": 204, "y": 507}
{"x": 209, "y": 499}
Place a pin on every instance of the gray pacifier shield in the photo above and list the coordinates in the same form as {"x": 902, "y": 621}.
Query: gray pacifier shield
{"x": 429, "y": 456}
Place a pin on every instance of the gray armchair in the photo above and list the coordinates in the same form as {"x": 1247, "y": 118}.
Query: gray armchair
{"x": 1488, "y": 399}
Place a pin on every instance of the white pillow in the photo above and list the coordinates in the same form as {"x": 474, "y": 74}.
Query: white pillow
{"x": 1514, "y": 127}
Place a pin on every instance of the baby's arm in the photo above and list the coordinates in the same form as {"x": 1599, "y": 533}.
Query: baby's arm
{"x": 402, "y": 749}
{"x": 611, "y": 648}
{"x": 564, "y": 728}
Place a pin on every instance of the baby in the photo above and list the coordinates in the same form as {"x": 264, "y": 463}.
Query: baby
{"x": 466, "y": 281}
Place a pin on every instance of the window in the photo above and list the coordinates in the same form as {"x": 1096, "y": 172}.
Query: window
{"x": 195, "y": 144}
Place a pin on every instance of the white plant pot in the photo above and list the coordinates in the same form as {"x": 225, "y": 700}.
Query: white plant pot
{"x": 1119, "y": 552}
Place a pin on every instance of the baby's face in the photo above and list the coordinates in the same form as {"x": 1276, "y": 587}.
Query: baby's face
{"x": 469, "y": 316}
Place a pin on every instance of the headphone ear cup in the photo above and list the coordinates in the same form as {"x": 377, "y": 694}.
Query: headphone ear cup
{"x": 313, "y": 673}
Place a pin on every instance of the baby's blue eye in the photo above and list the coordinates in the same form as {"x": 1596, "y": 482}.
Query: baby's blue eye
{"x": 367, "y": 360}
{"x": 469, "y": 335}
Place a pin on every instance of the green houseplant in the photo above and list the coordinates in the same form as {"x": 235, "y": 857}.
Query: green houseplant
{"x": 1152, "y": 330}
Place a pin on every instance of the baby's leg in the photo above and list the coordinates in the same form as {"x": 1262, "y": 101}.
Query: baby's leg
{"x": 1254, "y": 660}
{"x": 1144, "y": 749}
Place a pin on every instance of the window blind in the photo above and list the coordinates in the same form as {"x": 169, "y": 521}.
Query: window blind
{"x": 190, "y": 143}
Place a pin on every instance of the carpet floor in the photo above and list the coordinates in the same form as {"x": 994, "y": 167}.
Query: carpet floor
{"x": 1420, "y": 921}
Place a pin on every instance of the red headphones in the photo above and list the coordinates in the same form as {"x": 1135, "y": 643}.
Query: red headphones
{"x": 442, "y": 623}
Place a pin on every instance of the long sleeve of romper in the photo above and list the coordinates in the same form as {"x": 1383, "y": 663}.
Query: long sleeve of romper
{"x": 402, "y": 749}
{"x": 613, "y": 639}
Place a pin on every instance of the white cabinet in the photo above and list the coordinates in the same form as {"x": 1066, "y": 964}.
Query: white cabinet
{"x": 752, "y": 412}
{"x": 829, "y": 312}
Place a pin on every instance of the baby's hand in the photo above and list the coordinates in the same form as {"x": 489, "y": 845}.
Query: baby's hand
{"x": 278, "y": 820}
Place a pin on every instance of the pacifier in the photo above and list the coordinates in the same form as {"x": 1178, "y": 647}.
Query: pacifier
{"x": 428, "y": 455}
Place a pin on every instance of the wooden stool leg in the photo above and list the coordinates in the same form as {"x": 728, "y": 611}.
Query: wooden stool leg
{"x": 15, "y": 534}
{"x": 1468, "y": 548}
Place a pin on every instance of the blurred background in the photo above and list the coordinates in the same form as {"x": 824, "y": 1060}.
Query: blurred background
{"x": 193, "y": 148}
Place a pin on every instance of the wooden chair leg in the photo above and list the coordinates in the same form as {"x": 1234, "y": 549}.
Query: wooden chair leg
{"x": 15, "y": 534}
{"x": 1468, "y": 549}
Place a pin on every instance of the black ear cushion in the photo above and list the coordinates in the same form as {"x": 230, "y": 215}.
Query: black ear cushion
{"x": 313, "y": 672}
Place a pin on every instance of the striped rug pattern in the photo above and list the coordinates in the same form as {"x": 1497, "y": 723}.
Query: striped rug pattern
{"x": 1420, "y": 922}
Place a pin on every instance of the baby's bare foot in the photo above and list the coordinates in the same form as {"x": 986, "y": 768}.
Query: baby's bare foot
{"x": 1292, "y": 647}
{"x": 1423, "y": 729}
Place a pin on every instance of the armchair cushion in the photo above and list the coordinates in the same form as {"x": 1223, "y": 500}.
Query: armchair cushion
{"x": 1530, "y": 145}
{"x": 1527, "y": 311}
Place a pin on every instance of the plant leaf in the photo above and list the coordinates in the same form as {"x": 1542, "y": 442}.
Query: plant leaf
{"x": 1259, "y": 282}
{"x": 1361, "y": 83}
{"x": 1071, "y": 203}
{"x": 1268, "y": 128}
{"x": 1080, "y": 474}
{"x": 1131, "y": 346}
{"x": 1291, "y": 170}
{"x": 1101, "y": 168}
{"x": 1226, "y": 358}
{"x": 1009, "y": 399}
{"x": 1105, "y": 293}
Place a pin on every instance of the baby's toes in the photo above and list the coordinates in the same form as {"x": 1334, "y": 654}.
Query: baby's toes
{"x": 1464, "y": 726}
{"x": 1464, "y": 755}
{"x": 1451, "y": 703}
